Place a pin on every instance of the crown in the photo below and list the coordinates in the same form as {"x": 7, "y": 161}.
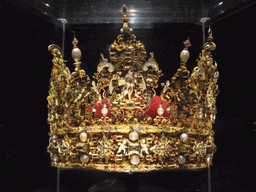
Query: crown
{"x": 116, "y": 122}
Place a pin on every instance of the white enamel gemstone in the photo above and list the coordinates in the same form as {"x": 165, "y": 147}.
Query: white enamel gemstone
{"x": 184, "y": 55}
{"x": 83, "y": 136}
{"x": 181, "y": 159}
{"x": 160, "y": 110}
{"x": 133, "y": 136}
{"x": 84, "y": 158}
{"x": 135, "y": 160}
{"x": 104, "y": 110}
{"x": 184, "y": 137}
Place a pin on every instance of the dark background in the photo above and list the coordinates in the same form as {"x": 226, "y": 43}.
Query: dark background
{"x": 25, "y": 72}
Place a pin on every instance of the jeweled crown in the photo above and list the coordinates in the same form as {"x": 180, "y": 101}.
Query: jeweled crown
{"x": 118, "y": 123}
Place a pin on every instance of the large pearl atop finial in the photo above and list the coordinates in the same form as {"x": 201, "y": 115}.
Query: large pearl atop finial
{"x": 76, "y": 54}
{"x": 184, "y": 55}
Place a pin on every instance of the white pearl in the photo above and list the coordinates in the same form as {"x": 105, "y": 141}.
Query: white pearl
{"x": 55, "y": 158}
{"x": 135, "y": 160}
{"x": 83, "y": 136}
{"x": 133, "y": 136}
{"x": 104, "y": 110}
{"x": 160, "y": 110}
{"x": 54, "y": 138}
{"x": 210, "y": 138}
{"x": 181, "y": 159}
{"x": 200, "y": 114}
{"x": 76, "y": 54}
{"x": 84, "y": 158}
{"x": 208, "y": 159}
{"x": 184, "y": 137}
{"x": 184, "y": 55}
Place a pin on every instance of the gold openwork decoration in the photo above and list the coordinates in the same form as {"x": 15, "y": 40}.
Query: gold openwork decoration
{"x": 116, "y": 122}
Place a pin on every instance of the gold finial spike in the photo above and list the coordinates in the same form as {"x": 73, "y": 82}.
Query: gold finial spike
{"x": 124, "y": 10}
{"x": 75, "y": 41}
{"x": 210, "y": 31}
{"x": 210, "y": 38}
{"x": 187, "y": 43}
{"x": 152, "y": 54}
{"x": 102, "y": 56}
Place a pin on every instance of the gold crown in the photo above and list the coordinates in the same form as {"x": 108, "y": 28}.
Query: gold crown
{"x": 118, "y": 123}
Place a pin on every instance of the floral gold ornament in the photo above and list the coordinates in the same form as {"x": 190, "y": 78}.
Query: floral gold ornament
{"x": 116, "y": 122}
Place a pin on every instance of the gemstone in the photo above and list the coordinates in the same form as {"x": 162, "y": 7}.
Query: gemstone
{"x": 135, "y": 160}
{"x": 181, "y": 159}
{"x": 184, "y": 137}
{"x": 84, "y": 158}
{"x": 83, "y": 136}
{"x": 133, "y": 136}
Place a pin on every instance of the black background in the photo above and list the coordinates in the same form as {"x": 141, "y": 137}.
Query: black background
{"x": 25, "y": 71}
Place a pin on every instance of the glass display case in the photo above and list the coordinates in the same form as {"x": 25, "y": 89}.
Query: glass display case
{"x": 164, "y": 28}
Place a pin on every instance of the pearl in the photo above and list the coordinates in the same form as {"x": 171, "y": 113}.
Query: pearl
{"x": 55, "y": 158}
{"x": 76, "y": 54}
{"x": 181, "y": 159}
{"x": 208, "y": 159}
{"x": 84, "y": 158}
{"x": 184, "y": 55}
{"x": 184, "y": 137}
{"x": 54, "y": 138}
{"x": 133, "y": 136}
{"x": 135, "y": 160}
{"x": 104, "y": 110}
{"x": 83, "y": 136}
{"x": 200, "y": 114}
{"x": 160, "y": 110}
{"x": 210, "y": 138}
